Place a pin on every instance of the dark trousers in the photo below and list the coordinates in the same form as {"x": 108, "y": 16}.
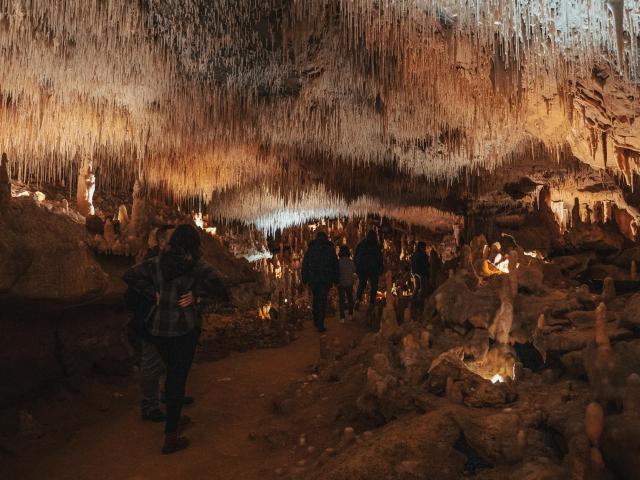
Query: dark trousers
{"x": 320, "y": 296}
{"x": 345, "y": 295}
{"x": 151, "y": 369}
{"x": 362, "y": 285}
{"x": 177, "y": 353}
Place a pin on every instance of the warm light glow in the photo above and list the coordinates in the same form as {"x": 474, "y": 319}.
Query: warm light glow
{"x": 502, "y": 265}
{"x": 497, "y": 378}
{"x": 198, "y": 220}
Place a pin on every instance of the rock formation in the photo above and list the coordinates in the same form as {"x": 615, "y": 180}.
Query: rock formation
{"x": 5, "y": 181}
{"x": 86, "y": 189}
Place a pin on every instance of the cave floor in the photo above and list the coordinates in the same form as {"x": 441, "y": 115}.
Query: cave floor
{"x": 97, "y": 433}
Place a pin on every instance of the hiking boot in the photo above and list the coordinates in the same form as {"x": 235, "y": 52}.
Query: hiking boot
{"x": 342, "y": 320}
{"x": 155, "y": 415}
{"x": 173, "y": 443}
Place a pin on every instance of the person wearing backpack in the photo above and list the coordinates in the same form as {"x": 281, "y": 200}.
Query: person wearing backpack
{"x": 320, "y": 272}
{"x": 151, "y": 364}
{"x": 369, "y": 266}
{"x": 345, "y": 287}
{"x": 178, "y": 279}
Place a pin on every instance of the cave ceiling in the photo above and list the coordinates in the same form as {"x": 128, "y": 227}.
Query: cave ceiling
{"x": 325, "y": 101}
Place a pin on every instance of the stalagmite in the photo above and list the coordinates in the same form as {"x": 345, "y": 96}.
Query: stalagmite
{"x": 575, "y": 214}
{"x": 594, "y": 425}
{"x": 109, "y": 235}
{"x": 86, "y": 189}
{"x": 500, "y": 329}
{"x": 5, "y": 181}
{"x": 138, "y": 227}
{"x": 608, "y": 289}
{"x": 602, "y": 338}
{"x": 123, "y": 220}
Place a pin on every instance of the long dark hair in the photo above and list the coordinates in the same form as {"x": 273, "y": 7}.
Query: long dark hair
{"x": 183, "y": 254}
{"x": 186, "y": 239}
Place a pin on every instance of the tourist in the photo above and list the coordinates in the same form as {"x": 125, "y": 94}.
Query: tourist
{"x": 420, "y": 269}
{"x": 369, "y": 266}
{"x": 151, "y": 364}
{"x": 178, "y": 279}
{"x": 320, "y": 271}
{"x": 345, "y": 287}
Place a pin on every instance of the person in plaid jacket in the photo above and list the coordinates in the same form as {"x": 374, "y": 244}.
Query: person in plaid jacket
{"x": 178, "y": 281}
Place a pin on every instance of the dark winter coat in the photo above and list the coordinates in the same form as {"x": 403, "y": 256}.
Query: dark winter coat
{"x": 320, "y": 263}
{"x": 369, "y": 259}
{"x": 420, "y": 264}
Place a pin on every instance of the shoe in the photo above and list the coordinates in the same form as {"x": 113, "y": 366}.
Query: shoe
{"x": 155, "y": 415}
{"x": 356, "y": 307}
{"x": 173, "y": 443}
{"x": 321, "y": 330}
{"x": 342, "y": 320}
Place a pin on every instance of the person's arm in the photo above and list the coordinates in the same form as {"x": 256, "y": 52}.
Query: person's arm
{"x": 139, "y": 279}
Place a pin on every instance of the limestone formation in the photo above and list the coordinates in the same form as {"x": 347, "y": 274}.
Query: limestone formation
{"x": 602, "y": 338}
{"x": 500, "y": 329}
{"x": 5, "y": 181}
{"x": 609, "y": 290}
{"x": 86, "y": 189}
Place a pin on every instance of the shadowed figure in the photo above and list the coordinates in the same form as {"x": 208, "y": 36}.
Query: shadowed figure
{"x": 178, "y": 279}
{"x": 320, "y": 272}
{"x": 369, "y": 266}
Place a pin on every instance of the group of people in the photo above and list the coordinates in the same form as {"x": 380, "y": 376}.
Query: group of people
{"x": 167, "y": 290}
{"x": 322, "y": 269}
{"x": 166, "y": 293}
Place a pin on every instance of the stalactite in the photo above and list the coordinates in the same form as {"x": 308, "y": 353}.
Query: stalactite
{"x": 196, "y": 88}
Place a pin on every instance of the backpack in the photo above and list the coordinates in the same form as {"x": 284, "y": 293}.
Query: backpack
{"x": 141, "y": 309}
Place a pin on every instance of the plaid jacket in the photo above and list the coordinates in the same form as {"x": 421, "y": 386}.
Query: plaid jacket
{"x": 167, "y": 318}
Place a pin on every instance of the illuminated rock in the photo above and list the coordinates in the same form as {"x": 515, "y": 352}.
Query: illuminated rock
{"x": 86, "y": 189}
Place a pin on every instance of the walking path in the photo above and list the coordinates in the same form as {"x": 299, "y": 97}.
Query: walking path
{"x": 233, "y": 399}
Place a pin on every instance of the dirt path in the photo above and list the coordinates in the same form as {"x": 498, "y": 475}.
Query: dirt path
{"x": 116, "y": 444}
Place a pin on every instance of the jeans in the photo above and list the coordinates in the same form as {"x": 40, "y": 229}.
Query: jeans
{"x": 320, "y": 294}
{"x": 373, "y": 282}
{"x": 345, "y": 295}
{"x": 151, "y": 369}
{"x": 177, "y": 353}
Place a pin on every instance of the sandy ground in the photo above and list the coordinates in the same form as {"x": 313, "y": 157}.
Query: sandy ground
{"x": 97, "y": 433}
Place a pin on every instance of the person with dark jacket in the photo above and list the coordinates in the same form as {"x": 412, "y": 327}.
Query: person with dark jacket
{"x": 420, "y": 268}
{"x": 151, "y": 364}
{"x": 369, "y": 266}
{"x": 178, "y": 280}
{"x": 345, "y": 287}
{"x": 320, "y": 272}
